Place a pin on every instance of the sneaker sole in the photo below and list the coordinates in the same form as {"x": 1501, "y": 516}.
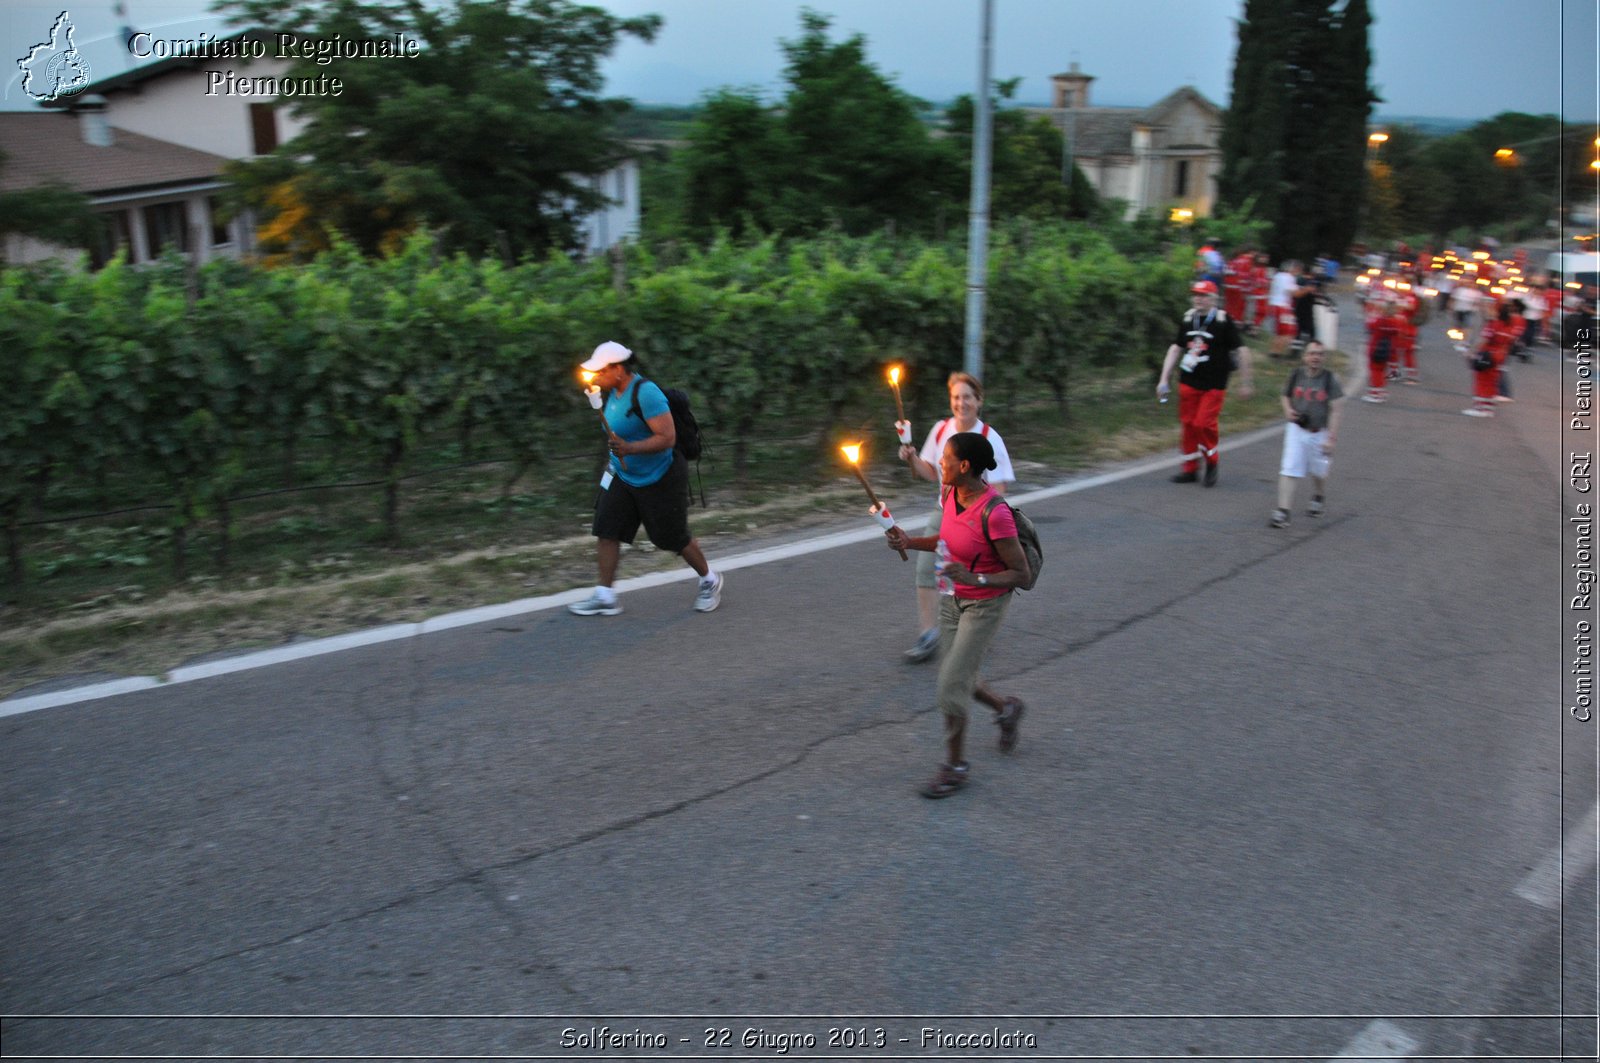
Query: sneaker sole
{"x": 612, "y": 611}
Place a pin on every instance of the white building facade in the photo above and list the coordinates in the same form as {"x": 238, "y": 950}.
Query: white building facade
{"x": 1160, "y": 158}
{"x": 148, "y": 147}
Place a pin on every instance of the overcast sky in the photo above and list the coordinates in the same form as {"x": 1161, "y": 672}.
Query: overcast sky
{"x": 1466, "y": 59}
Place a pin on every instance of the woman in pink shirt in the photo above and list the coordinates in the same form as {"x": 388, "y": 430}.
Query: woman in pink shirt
{"x": 981, "y": 562}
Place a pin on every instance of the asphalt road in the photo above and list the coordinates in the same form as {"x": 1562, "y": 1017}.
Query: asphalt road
{"x": 1286, "y": 793}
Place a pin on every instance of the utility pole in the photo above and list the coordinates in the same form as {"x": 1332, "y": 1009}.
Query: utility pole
{"x": 978, "y": 218}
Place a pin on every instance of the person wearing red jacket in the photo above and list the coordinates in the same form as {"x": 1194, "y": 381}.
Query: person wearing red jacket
{"x": 1383, "y": 341}
{"x": 1237, "y": 282}
{"x": 1494, "y": 344}
{"x": 1260, "y": 282}
{"x": 1404, "y": 365}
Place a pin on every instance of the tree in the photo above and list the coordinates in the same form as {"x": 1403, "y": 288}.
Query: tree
{"x": 1294, "y": 137}
{"x": 484, "y": 136}
{"x": 1026, "y": 162}
{"x": 734, "y": 166}
{"x": 844, "y": 147}
{"x": 858, "y": 153}
{"x": 1335, "y": 144}
{"x": 1254, "y": 129}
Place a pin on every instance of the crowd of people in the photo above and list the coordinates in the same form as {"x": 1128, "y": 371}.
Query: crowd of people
{"x": 1496, "y": 310}
{"x": 970, "y": 555}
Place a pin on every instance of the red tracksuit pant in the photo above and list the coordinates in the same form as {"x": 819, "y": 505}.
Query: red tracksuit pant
{"x": 1406, "y": 350}
{"x": 1486, "y": 383}
{"x": 1198, "y": 413}
{"x": 1377, "y": 374}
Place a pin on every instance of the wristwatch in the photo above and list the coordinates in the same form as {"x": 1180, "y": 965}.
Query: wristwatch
{"x": 983, "y": 581}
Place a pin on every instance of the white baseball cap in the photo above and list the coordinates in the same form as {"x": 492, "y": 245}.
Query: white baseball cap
{"x": 608, "y": 353}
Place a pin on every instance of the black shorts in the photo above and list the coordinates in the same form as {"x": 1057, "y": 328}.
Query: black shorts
{"x": 662, "y": 507}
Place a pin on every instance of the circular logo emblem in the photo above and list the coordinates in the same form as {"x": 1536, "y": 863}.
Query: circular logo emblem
{"x": 67, "y": 74}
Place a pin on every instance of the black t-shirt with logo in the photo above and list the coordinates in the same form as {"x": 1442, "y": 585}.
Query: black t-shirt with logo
{"x": 1207, "y": 341}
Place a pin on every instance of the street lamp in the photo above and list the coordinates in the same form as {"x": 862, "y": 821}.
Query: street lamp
{"x": 1374, "y": 142}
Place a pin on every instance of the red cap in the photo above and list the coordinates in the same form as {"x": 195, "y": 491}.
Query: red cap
{"x": 1203, "y": 288}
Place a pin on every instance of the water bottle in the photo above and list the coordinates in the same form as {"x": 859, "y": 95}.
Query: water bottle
{"x": 941, "y": 558}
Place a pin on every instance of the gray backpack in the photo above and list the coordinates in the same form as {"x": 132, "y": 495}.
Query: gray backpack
{"x": 1027, "y": 537}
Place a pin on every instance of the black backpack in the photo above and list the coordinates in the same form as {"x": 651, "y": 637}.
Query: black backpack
{"x": 683, "y": 422}
{"x": 1027, "y": 538}
{"x": 684, "y": 425}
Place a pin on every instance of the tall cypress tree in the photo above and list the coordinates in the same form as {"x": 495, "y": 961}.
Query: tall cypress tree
{"x": 1295, "y": 132}
{"x": 1349, "y": 103}
{"x": 1253, "y": 127}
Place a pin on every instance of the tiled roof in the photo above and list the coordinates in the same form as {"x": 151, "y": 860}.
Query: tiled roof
{"x": 40, "y": 148}
{"x": 1160, "y": 111}
{"x": 1099, "y": 131}
{"x": 1103, "y": 131}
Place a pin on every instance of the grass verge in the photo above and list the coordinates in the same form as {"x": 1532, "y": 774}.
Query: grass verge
{"x": 105, "y": 606}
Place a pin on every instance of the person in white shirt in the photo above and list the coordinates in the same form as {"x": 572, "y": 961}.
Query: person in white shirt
{"x": 1280, "y": 306}
{"x": 1463, "y": 301}
{"x": 966, "y": 399}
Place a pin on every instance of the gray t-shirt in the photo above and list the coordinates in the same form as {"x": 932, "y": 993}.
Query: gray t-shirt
{"x": 1310, "y": 395}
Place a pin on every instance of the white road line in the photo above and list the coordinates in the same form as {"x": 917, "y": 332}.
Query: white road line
{"x": 1554, "y": 875}
{"x": 523, "y": 607}
{"x": 1381, "y": 1041}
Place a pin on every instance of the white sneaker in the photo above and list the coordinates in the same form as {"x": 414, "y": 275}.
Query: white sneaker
{"x": 1476, "y": 412}
{"x": 1370, "y": 397}
{"x": 1504, "y": 398}
{"x": 594, "y": 605}
{"x": 710, "y": 595}
{"x": 926, "y": 646}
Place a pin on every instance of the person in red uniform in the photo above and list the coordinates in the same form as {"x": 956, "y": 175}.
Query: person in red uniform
{"x": 1494, "y": 344}
{"x": 1260, "y": 283}
{"x": 1383, "y": 340}
{"x": 1519, "y": 328}
{"x": 1208, "y": 343}
{"x": 1404, "y": 365}
{"x": 1239, "y": 278}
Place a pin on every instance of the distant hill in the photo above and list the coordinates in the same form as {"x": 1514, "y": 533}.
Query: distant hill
{"x": 1433, "y": 127}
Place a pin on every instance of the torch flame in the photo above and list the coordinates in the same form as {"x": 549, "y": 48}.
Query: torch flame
{"x": 894, "y": 374}
{"x": 852, "y": 453}
{"x": 586, "y": 376}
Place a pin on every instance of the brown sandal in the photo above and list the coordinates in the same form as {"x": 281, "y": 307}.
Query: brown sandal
{"x": 1009, "y": 718}
{"x": 946, "y": 781}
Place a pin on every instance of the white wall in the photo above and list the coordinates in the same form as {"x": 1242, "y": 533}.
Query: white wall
{"x": 619, "y": 220}
{"x": 175, "y": 107}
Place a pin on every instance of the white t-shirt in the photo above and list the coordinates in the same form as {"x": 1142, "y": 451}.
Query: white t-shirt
{"x": 1465, "y": 297}
{"x": 1284, "y": 284}
{"x": 940, "y": 434}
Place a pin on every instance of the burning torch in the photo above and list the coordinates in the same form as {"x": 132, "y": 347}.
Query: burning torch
{"x": 879, "y": 511}
{"x": 902, "y": 426}
{"x": 597, "y": 403}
